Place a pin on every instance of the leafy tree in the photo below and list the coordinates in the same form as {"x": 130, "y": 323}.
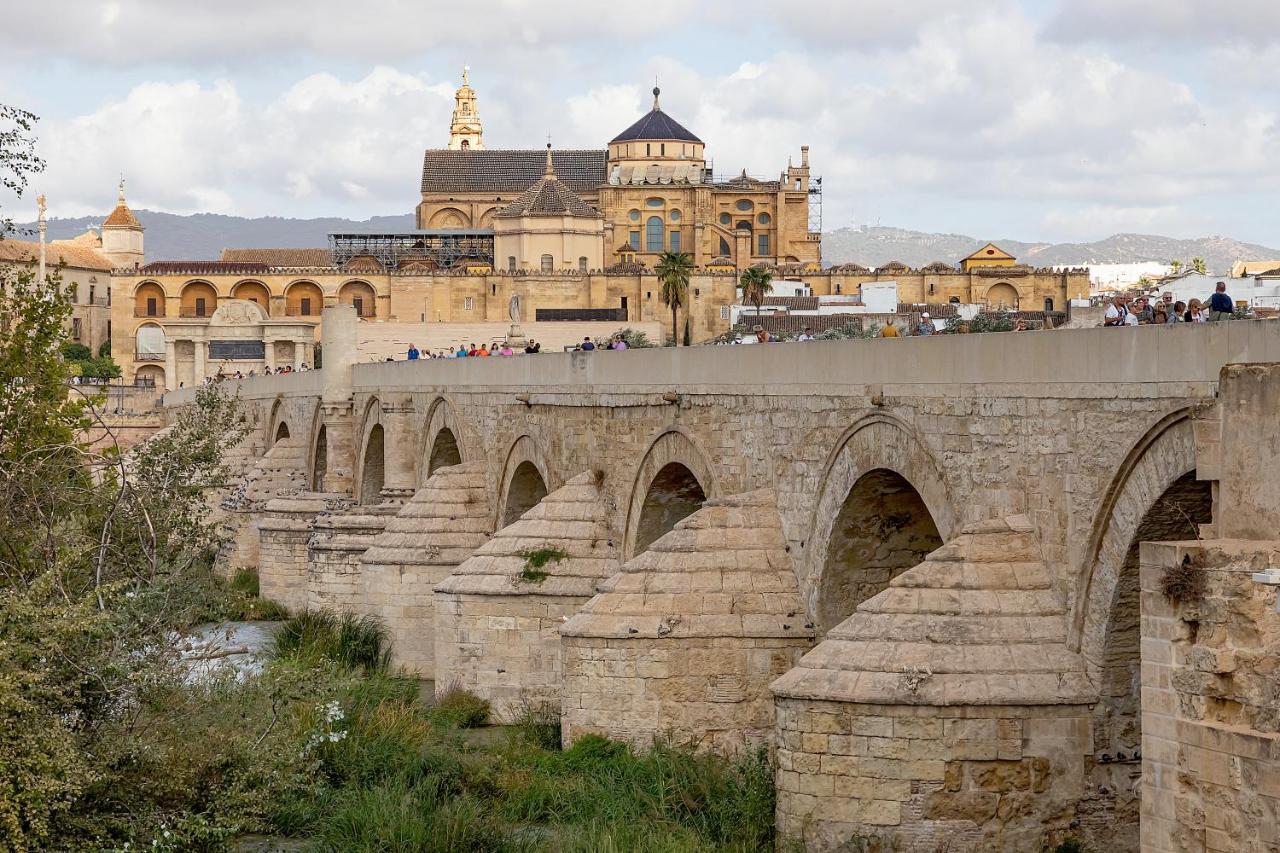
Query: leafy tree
{"x": 1175, "y": 266}
{"x": 104, "y": 349}
{"x": 18, "y": 158}
{"x": 755, "y": 283}
{"x": 674, "y": 270}
{"x": 1199, "y": 265}
{"x": 72, "y": 351}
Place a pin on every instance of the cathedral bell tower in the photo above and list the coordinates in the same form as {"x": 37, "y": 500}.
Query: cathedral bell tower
{"x": 466, "y": 132}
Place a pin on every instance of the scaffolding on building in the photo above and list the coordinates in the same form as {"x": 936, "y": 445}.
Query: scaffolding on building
{"x": 443, "y": 249}
{"x": 815, "y": 205}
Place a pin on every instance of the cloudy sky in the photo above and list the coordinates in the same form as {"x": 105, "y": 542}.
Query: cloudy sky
{"x": 1033, "y": 119}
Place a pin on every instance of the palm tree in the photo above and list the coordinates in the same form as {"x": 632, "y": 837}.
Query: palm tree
{"x": 755, "y": 283}
{"x": 674, "y": 270}
{"x": 1199, "y": 265}
{"x": 1176, "y": 266}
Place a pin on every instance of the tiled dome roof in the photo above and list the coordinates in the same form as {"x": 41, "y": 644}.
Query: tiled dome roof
{"x": 122, "y": 215}
{"x": 656, "y": 124}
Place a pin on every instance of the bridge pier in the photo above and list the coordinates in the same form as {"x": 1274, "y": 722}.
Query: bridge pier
{"x": 439, "y": 527}
{"x": 947, "y": 711}
{"x": 498, "y": 615}
{"x": 285, "y": 530}
{"x": 684, "y": 640}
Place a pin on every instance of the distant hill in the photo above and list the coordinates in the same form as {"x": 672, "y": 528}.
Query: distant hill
{"x": 203, "y": 236}
{"x": 873, "y": 247}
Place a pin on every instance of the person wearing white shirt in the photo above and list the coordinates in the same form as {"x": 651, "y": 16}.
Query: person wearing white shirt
{"x": 807, "y": 335}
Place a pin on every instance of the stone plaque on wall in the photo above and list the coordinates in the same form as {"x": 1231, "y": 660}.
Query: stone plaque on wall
{"x": 237, "y": 351}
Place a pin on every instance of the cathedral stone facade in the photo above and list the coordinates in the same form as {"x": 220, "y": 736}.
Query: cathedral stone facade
{"x": 652, "y": 186}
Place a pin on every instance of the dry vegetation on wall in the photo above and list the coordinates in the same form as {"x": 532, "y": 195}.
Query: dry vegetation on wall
{"x": 1183, "y": 582}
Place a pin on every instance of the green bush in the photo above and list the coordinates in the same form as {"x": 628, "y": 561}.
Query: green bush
{"x": 460, "y": 709}
{"x": 539, "y": 724}
{"x": 354, "y": 642}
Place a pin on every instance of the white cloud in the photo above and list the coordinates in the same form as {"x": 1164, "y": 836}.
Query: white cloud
{"x": 960, "y": 113}
{"x": 126, "y": 33}
{"x": 189, "y": 148}
{"x": 1196, "y": 22}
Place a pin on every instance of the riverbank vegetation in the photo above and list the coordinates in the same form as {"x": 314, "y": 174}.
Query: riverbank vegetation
{"x": 117, "y": 733}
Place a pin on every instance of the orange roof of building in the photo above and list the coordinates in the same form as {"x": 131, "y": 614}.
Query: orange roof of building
{"x": 279, "y": 257}
{"x": 122, "y": 215}
{"x": 69, "y": 252}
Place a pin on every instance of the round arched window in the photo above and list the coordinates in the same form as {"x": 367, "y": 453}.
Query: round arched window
{"x": 634, "y": 216}
{"x": 674, "y": 216}
{"x": 725, "y": 219}
{"x": 763, "y": 219}
{"x": 744, "y": 205}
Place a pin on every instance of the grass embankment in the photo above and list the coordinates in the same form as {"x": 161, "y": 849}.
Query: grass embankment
{"x": 330, "y": 746}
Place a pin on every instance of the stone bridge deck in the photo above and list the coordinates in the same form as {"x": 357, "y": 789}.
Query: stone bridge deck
{"x": 847, "y": 462}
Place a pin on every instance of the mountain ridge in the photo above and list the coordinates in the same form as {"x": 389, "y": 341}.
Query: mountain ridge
{"x": 203, "y": 236}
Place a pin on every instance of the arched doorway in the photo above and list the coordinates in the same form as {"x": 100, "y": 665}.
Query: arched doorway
{"x": 524, "y": 492}
{"x": 199, "y": 299}
{"x": 674, "y": 494}
{"x": 360, "y": 295}
{"x": 882, "y": 529}
{"x": 282, "y": 432}
{"x": 255, "y": 292}
{"x": 148, "y": 300}
{"x": 1175, "y": 515}
{"x": 149, "y": 343}
{"x": 373, "y": 470}
{"x": 444, "y": 451}
{"x": 1002, "y": 296}
{"x": 320, "y": 461}
{"x": 303, "y": 299}
{"x": 149, "y": 374}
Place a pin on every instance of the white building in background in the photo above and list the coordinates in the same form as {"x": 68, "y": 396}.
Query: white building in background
{"x": 1104, "y": 277}
{"x": 1255, "y": 291}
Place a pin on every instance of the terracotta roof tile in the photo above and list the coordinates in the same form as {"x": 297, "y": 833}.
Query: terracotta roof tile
{"x": 123, "y": 216}
{"x": 279, "y": 257}
{"x": 56, "y": 252}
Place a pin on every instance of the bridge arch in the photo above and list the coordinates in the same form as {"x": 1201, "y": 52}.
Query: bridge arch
{"x": 317, "y": 451}
{"x": 442, "y": 440}
{"x": 371, "y": 473}
{"x": 277, "y": 422}
{"x": 882, "y": 507}
{"x": 526, "y": 480}
{"x": 674, "y": 479}
{"x": 1154, "y": 496}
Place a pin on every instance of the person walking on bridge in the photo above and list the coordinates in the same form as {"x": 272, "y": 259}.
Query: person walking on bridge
{"x": 888, "y": 330}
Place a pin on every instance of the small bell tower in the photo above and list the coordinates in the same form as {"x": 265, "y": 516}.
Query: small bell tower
{"x": 465, "y": 132}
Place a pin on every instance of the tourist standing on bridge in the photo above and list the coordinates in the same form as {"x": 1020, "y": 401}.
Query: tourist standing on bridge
{"x": 413, "y": 352}
{"x": 587, "y": 345}
{"x": 926, "y": 325}
{"x": 888, "y": 330}
{"x": 1221, "y": 307}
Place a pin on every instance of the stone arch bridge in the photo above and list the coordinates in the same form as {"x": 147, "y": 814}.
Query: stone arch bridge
{"x": 911, "y": 566}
